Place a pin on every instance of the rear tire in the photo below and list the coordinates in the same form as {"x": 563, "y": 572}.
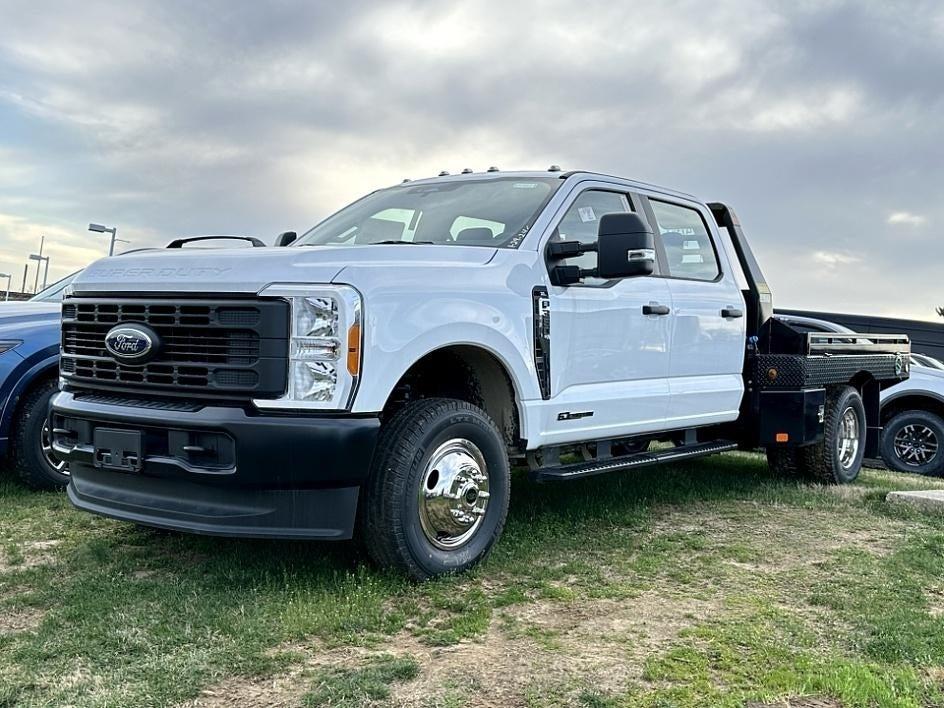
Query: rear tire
{"x": 32, "y": 456}
{"x": 437, "y": 497}
{"x": 911, "y": 442}
{"x": 837, "y": 459}
{"x": 783, "y": 462}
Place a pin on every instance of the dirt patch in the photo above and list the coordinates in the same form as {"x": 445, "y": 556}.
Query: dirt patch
{"x": 599, "y": 644}
{"x": 799, "y": 703}
{"x": 283, "y": 690}
{"x": 935, "y": 597}
{"x": 23, "y": 619}
{"x": 30, "y": 555}
{"x": 780, "y": 537}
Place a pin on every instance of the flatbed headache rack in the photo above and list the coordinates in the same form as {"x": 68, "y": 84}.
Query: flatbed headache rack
{"x": 842, "y": 343}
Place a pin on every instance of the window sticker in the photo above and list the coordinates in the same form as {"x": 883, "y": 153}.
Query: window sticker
{"x": 525, "y": 185}
{"x": 692, "y": 258}
{"x": 691, "y": 246}
{"x": 586, "y": 214}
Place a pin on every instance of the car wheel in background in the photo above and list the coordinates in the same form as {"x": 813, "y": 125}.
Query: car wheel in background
{"x": 912, "y": 442}
{"x": 437, "y": 497}
{"x": 33, "y": 458}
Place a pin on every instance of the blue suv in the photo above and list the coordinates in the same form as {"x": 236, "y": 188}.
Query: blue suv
{"x": 29, "y": 377}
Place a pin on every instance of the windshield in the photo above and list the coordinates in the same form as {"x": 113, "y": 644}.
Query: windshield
{"x": 488, "y": 212}
{"x": 54, "y": 292}
{"x": 924, "y": 360}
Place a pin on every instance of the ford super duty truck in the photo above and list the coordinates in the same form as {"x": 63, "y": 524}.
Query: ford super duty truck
{"x": 381, "y": 373}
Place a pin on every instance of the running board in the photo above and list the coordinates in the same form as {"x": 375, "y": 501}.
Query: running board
{"x": 580, "y": 470}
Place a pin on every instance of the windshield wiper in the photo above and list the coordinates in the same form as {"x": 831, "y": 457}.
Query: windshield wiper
{"x": 397, "y": 243}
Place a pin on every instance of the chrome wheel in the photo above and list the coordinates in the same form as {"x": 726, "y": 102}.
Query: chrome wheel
{"x": 453, "y": 494}
{"x": 49, "y": 455}
{"x": 916, "y": 445}
{"x": 847, "y": 441}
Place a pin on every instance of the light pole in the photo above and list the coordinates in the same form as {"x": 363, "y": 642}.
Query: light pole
{"x": 39, "y": 258}
{"x": 39, "y": 262}
{"x": 9, "y": 278}
{"x": 99, "y": 229}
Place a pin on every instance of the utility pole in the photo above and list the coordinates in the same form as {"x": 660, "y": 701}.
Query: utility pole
{"x": 9, "y": 278}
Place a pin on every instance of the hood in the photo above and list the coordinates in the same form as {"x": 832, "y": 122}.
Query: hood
{"x": 20, "y": 320}
{"x": 918, "y": 372}
{"x": 249, "y": 270}
{"x": 17, "y": 312}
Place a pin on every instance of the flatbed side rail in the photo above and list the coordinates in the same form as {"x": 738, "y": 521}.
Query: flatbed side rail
{"x": 842, "y": 343}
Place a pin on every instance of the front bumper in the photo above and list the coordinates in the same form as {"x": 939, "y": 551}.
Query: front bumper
{"x": 215, "y": 470}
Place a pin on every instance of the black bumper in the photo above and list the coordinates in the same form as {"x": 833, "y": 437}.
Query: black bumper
{"x": 215, "y": 470}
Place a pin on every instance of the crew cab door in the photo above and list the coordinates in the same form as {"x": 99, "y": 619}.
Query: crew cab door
{"x": 609, "y": 360}
{"x": 707, "y": 339}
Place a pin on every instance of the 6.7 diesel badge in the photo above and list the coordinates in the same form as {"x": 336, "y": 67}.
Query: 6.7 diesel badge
{"x": 131, "y": 344}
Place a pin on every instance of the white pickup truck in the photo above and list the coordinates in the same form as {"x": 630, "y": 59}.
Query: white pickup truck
{"x": 381, "y": 373}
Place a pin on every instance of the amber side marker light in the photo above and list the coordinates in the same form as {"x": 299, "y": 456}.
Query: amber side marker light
{"x": 354, "y": 350}
{"x": 783, "y": 437}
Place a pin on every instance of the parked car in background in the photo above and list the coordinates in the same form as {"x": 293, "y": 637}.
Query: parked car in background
{"x": 29, "y": 377}
{"x": 912, "y": 411}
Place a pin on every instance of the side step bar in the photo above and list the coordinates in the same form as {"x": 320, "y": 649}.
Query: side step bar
{"x": 579, "y": 470}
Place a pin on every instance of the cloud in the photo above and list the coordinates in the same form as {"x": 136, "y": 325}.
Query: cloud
{"x": 833, "y": 259}
{"x": 173, "y": 118}
{"x": 907, "y": 218}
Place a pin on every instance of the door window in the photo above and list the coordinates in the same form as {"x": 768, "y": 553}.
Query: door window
{"x": 582, "y": 222}
{"x": 688, "y": 248}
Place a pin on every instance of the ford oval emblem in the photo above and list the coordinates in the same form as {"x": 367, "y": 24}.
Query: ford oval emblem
{"x": 131, "y": 344}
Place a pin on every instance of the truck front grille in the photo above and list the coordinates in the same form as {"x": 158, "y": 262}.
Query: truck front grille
{"x": 225, "y": 347}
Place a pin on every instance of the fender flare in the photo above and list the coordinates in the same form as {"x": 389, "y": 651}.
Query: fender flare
{"x": 25, "y": 376}
{"x": 520, "y": 371}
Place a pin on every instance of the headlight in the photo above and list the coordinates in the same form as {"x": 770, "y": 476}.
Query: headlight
{"x": 324, "y": 349}
{"x": 8, "y": 344}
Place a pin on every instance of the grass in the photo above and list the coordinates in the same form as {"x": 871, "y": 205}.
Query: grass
{"x": 710, "y": 583}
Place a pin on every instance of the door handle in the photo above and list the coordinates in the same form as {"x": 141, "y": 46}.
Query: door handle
{"x": 654, "y": 308}
{"x": 731, "y": 313}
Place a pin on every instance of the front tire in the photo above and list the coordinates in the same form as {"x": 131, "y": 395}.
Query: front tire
{"x": 33, "y": 459}
{"x": 437, "y": 497}
{"x": 911, "y": 442}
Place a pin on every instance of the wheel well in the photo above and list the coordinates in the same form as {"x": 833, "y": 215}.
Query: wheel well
{"x": 467, "y": 373}
{"x": 38, "y": 379}
{"x": 911, "y": 403}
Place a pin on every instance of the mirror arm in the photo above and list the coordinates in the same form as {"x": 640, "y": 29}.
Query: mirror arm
{"x": 561, "y": 250}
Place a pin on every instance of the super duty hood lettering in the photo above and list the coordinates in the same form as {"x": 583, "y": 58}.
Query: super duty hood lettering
{"x": 184, "y": 272}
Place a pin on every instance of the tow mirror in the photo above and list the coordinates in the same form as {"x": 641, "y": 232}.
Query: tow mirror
{"x": 284, "y": 239}
{"x": 625, "y": 247}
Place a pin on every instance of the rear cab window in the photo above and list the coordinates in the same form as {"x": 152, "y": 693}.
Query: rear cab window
{"x": 689, "y": 250}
